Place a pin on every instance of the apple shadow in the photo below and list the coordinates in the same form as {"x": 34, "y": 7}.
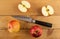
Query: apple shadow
{"x": 16, "y": 10}
{"x": 49, "y": 32}
{"x": 39, "y": 12}
{"x": 24, "y": 27}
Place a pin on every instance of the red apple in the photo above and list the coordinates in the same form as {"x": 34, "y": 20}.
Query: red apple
{"x": 36, "y": 31}
{"x": 13, "y": 26}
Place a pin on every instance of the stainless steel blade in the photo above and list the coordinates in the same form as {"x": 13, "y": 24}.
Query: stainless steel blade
{"x": 28, "y": 19}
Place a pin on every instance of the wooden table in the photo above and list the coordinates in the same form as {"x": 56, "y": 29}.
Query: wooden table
{"x": 9, "y": 7}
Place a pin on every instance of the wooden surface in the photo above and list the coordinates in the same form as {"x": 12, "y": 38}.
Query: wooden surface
{"x": 9, "y": 7}
{"x": 48, "y": 33}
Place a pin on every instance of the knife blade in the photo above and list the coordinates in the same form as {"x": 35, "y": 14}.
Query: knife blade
{"x": 28, "y": 19}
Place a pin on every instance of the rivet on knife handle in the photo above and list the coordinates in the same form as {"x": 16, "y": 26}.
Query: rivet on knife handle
{"x": 43, "y": 23}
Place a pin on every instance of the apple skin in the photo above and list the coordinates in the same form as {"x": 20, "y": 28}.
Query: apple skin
{"x": 14, "y": 26}
{"x": 36, "y": 31}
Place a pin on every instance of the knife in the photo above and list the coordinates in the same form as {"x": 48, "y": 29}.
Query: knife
{"x": 28, "y": 19}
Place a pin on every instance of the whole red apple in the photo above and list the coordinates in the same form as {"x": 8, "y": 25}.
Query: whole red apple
{"x": 36, "y": 31}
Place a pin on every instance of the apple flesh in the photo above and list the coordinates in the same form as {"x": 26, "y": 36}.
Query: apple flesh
{"x": 36, "y": 31}
{"x": 26, "y": 4}
{"x": 47, "y": 10}
{"x": 14, "y": 26}
{"x": 23, "y": 6}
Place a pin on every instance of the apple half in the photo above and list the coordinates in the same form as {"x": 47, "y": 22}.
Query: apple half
{"x": 14, "y": 26}
{"x": 47, "y": 10}
{"x": 23, "y": 6}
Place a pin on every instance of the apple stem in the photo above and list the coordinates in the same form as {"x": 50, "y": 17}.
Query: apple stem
{"x": 47, "y": 10}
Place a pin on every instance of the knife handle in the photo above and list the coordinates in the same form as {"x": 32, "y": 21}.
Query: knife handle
{"x": 43, "y": 23}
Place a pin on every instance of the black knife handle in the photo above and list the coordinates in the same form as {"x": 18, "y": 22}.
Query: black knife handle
{"x": 43, "y": 23}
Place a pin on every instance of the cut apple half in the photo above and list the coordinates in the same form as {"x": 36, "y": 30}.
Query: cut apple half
{"x": 47, "y": 10}
{"x": 22, "y": 8}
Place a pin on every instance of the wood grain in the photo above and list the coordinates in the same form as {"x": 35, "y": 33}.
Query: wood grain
{"x": 48, "y": 33}
{"x": 9, "y": 7}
